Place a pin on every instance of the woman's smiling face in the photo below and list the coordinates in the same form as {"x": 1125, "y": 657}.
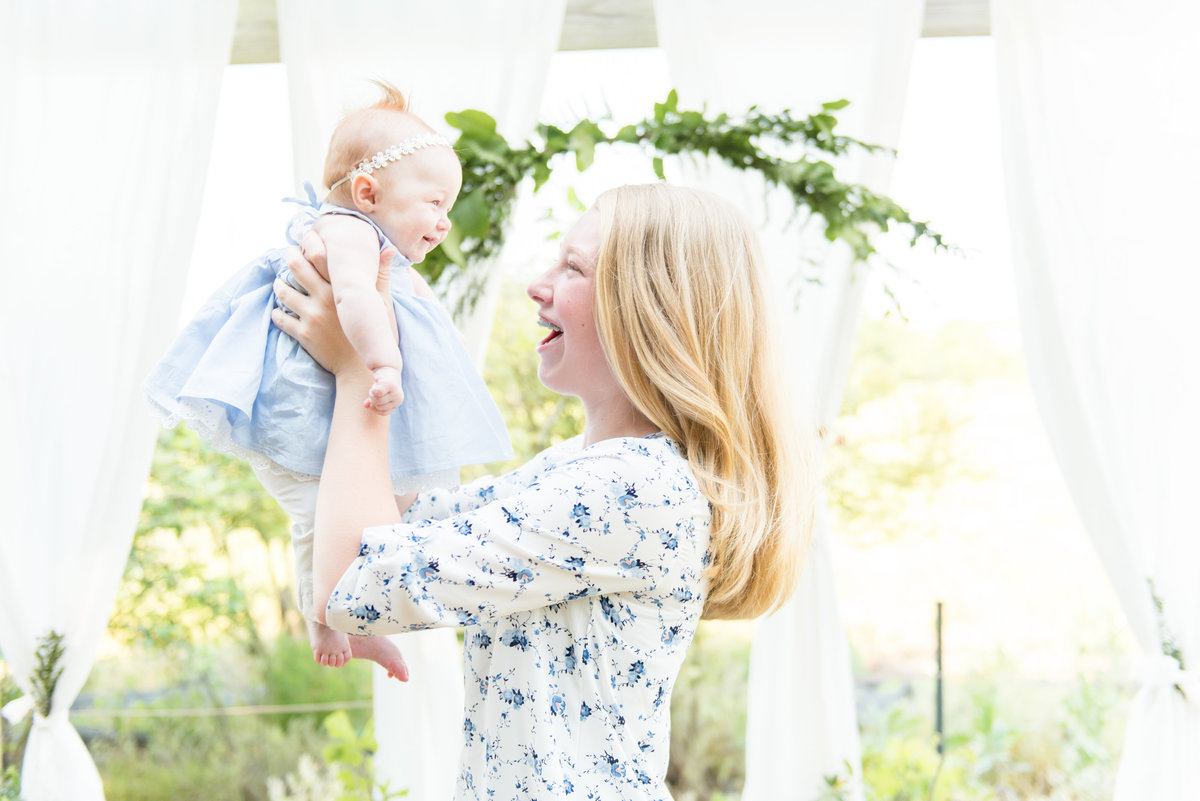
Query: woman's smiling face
{"x": 572, "y": 359}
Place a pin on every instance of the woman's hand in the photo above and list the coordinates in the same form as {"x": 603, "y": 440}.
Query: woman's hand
{"x": 316, "y": 325}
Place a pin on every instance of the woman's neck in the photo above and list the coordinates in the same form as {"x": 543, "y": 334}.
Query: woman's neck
{"x": 615, "y": 420}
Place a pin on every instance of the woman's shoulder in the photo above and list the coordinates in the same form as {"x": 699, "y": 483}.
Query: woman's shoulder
{"x": 654, "y": 448}
{"x": 634, "y": 461}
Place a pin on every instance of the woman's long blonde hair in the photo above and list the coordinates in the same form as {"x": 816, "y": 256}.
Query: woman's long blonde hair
{"x": 683, "y": 318}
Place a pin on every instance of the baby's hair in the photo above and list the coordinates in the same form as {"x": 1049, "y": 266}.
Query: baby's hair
{"x": 368, "y": 130}
{"x": 393, "y": 98}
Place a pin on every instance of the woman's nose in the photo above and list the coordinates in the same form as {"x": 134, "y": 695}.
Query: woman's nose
{"x": 539, "y": 289}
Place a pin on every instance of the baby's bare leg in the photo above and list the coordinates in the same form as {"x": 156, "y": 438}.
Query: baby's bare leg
{"x": 383, "y": 652}
{"x": 330, "y": 648}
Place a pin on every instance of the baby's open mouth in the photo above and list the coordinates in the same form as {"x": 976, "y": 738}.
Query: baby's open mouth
{"x": 555, "y": 331}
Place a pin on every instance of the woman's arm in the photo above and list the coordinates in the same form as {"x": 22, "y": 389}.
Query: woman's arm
{"x": 356, "y": 488}
{"x": 569, "y": 534}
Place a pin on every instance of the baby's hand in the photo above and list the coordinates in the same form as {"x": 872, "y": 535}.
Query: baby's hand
{"x": 385, "y": 394}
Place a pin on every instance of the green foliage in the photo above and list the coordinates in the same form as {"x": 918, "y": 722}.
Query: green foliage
{"x": 838, "y": 786}
{"x": 1003, "y": 742}
{"x": 788, "y": 152}
{"x": 289, "y": 675}
{"x": 1088, "y": 750}
{"x": 169, "y": 598}
{"x": 199, "y": 759}
{"x": 191, "y": 485}
{"x": 172, "y": 593}
{"x": 1166, "y": 637}
{"x": 989, "y": 752}
{"x": 900, "y": 759}
{"x": 46, "y": 671}
{"x": 908, "y": 396}
{"x": 352, "y": 751}
{"x": 889, "y": 354}
{"x": 708, "y": 714}
{"x": 312, "y": 781}
{"x": 347, "y": 774}
{"x": 12, "y": 735}
{"x": 10, "y": 785}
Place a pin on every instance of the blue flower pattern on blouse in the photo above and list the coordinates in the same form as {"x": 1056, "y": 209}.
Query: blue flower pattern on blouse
{"x": 581, "y": 577}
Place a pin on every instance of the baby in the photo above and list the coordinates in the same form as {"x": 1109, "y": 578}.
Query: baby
{"x": 250, "y": 389}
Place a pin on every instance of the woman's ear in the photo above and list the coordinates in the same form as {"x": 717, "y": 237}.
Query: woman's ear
{"x": 364, "y": 191}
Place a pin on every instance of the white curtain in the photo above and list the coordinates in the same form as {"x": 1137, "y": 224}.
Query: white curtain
{"x": 1099, "y": 116}
{"x": 445, "y": 56}
{"x": 797, "y": 54}
{"x": 104, "y": 141}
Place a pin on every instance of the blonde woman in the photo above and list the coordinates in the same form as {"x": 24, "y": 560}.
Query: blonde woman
{"x": 580, "y": 577}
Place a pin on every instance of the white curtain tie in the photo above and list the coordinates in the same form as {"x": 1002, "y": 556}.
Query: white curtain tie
{"x": 1162, "y": 671}
{"x": 17, "y": 709}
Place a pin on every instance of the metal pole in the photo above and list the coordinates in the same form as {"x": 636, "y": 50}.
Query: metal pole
{"x": 941, "y": 737}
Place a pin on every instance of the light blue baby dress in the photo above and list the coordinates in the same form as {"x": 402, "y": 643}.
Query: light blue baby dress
{"x": 248, "y": 388}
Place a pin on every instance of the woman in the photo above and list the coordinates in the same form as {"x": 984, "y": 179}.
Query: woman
{"x": 581, "y": 576}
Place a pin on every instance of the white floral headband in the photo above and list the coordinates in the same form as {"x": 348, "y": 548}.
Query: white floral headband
{"x": 393, "y": 153}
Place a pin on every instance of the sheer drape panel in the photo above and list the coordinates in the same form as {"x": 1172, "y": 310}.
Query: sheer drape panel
{"x": 786, "y": 54}
{"x": 445, "y": 56}
{"x": 104, "y": 142}
{"x": 1107, "y": 294}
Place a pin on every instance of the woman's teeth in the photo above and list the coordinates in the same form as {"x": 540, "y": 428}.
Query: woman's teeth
{"x": 555, "y": 331}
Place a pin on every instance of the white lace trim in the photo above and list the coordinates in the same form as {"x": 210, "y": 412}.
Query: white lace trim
{"x": 208, "y": 420}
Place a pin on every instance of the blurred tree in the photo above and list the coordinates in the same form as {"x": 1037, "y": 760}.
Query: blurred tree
{"x": 896, "y": 442}
{"x": 170, "y": 593}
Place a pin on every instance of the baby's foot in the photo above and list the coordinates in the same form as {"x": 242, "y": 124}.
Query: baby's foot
{"x": 330, "y": 648}
{"x": 385, "y": 394}
{"x": 382, "y": 651}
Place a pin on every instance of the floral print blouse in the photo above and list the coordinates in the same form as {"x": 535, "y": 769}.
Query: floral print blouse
{"x": 580, "y": 580}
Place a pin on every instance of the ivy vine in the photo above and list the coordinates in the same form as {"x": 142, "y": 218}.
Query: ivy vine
{"x": 46, "y": 671}
{"x": 493, "y": 170}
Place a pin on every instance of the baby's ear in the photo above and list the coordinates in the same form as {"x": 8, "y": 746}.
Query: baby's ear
{"x": 364, "y": 191}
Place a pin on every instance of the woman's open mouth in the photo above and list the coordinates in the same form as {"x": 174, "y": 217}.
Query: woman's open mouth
{"x": 555, "y": 332}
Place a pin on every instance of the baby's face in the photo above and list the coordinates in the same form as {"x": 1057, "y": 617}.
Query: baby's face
{"x": 416, "y": 197}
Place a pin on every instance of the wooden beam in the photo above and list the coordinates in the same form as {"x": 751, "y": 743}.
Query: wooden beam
{"x": 256, "y": 35}
{"x": 956, "y": 18}
{"x": 608, "y": 25}
{"x": 594, "y": 25}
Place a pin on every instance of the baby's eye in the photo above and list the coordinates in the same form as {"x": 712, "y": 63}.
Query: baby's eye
{"x": 437, "y": 203}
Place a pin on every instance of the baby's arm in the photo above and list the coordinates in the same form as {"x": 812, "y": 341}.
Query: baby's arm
{"x": 352, "y": 248}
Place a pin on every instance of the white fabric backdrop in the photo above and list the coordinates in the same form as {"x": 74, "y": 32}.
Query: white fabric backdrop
{"x": 1099, "y": 114}
{"x": 104, "y": 140}
{"x": 468, "y": 54}
{"x": 798, "y": 54}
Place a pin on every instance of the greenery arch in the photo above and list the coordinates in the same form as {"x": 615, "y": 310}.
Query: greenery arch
{"x": 493, "y": 170}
